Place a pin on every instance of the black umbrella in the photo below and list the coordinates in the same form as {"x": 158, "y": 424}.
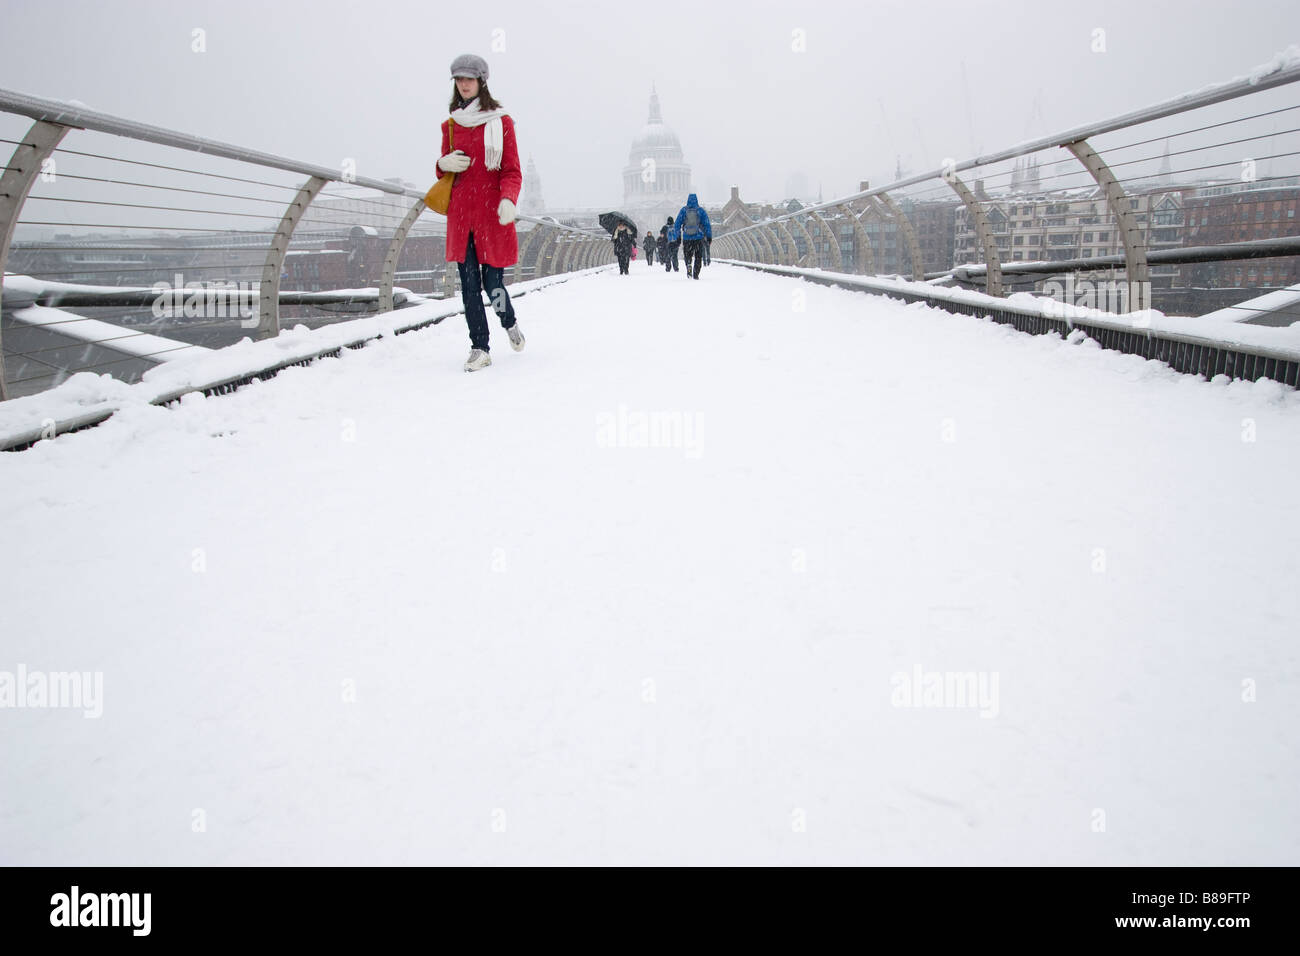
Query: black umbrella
{"x": 610, "y": 221}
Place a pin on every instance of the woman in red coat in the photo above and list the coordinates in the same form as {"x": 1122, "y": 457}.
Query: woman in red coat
{"x": 481, "y": 218}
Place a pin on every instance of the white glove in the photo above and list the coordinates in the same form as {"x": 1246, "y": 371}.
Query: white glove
{"x": 454, "y": 162}
{"x": 506, "y": 212}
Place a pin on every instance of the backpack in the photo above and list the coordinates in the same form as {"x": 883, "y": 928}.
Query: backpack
{"x": 691, "y": 223}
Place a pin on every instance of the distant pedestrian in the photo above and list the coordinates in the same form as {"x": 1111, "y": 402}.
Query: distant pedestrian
{"x": 694, "y": 228}
{"x": 481, "y": 236}
{"x": 624, "y": 242}
{"x": 648, "y": 244}
{"x": 674, "y": 243}
{"x": 662, "y": 246}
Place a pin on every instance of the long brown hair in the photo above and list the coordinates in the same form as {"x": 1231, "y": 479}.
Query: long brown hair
{"x": 485, "y": 99}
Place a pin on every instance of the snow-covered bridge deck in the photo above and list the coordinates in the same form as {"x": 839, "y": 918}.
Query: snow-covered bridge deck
{"x": 681, "y": 582}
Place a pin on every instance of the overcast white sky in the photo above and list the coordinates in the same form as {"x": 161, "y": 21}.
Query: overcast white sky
{"x": 328, "y": 79}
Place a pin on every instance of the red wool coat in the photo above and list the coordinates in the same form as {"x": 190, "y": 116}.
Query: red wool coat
{"x": 476, "y": 194}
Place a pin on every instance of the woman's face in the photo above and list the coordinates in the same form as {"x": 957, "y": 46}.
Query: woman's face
{"x": 467, "y": 87}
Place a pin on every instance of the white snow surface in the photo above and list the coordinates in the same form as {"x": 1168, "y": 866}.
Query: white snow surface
{"x": 1279, "y": 300}
{"x": 92, "y": 394}
{"x": 378, "y": 610}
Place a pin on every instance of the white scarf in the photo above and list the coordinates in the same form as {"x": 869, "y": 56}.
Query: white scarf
{"x": 493, "y": 136}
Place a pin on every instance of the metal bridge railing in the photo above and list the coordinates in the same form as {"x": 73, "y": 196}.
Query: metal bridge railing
{"x": 1152, "y": 204}
{"x": 1249, "y": 354}
{"x": 166, "y": 243}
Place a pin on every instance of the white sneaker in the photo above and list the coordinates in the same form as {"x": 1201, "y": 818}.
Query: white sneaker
{"x": 477, "y": 359}
{"x": 516, "y": 337}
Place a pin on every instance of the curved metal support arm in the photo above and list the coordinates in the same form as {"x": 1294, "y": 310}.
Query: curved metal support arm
{"x": 15, "y": 184}
{"x": 832, "y": 240}
{"x": 909, "y": 235}
{"x": 394, "y": 253}
{"x": 728, "y": 243}
{"x": 1135, "y": 248}
{"x": 524, "y": 248}
{"x": 808, "y": 241}
{"x": 562, "y": 247}
{"x": 787, "y": 240}
{"x": 546, "y": 255}
{"x": 268, "y": 303}
{"x": 571, "y": 250}
{"x": 865, "y": 260}
{"x": 993, "y": 279}
{"x": 568, "y": 254}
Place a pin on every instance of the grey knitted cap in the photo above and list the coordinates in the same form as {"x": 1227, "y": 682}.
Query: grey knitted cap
{"x": 467, "y": 64}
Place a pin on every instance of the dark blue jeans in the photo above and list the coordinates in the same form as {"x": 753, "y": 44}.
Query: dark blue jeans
{"x": 473, "y": 280}
{"x": 670, "y": 260}
{"x": 694, "y": 249}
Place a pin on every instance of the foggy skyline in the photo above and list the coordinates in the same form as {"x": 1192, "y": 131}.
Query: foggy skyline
{"x": 326, "y": 81}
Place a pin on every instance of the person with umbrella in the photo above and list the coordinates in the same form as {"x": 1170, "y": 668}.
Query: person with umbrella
{"x": 623, "y": 233}
{"x": 481, "y": 237}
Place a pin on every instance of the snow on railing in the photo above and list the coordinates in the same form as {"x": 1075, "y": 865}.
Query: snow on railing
{"x": 137, "y": 202}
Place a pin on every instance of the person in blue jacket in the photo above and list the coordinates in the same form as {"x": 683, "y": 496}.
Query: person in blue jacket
{"x": 695, "y": 230}
{"x": 671, "y": 240}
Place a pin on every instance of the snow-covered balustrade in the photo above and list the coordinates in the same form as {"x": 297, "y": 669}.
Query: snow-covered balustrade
{"x": 87, "y": 399}
{"x": 1204, "y": 345}
{"x": 142, "y": 202}
{"x": 1115, "y": 200}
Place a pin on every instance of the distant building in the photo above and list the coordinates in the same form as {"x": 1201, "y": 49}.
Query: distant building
{"x": 531, "y": 201}
{"x": 656, "y": 179}
{"x": 1069, "y": 224}
{"x": 736, "y": 214}
{"x": 1024, "y": 175}
{"x": 887, "y": 246}
{"x": 934, "y": 223}
{"x": 1238, "y": 212}
{"x": 752, "y": 211}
